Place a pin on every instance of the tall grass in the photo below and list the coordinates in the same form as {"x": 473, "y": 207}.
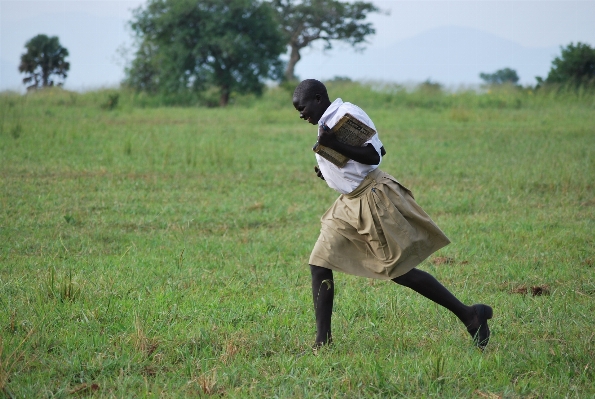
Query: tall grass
{"x": 162, "y": 251}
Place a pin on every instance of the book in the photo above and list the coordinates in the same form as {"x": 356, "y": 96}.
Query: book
{"x": 349, "y": 130}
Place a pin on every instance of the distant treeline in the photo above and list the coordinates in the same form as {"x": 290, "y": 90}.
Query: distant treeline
{"x": 377, "y": 95}
{"x": 210, "y": 51}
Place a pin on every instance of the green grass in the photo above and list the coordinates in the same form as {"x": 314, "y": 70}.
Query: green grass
{"x": 162, "y": 252}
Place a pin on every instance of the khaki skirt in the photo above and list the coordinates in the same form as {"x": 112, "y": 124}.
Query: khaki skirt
{"x": 377, "y": 231}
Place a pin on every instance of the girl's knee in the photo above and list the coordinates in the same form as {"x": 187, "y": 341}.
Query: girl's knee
{"x": 321, "y": 272}
{"x": 412, "y": 277}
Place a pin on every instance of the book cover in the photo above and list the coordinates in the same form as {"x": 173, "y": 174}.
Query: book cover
{"x": 348, "y": 130}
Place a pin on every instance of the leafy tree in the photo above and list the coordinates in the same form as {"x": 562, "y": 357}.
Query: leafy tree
{"x": 304, "y": 22}
{"x": 500, "y": 77}
{"x": 44, "y": 57}
{"x": 189, "y": 45}
{"x": 143, "y": 74}
{"x": 575, "y": 66}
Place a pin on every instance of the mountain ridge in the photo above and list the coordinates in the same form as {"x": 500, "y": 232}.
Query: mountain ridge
{"x": 450, "y": 55}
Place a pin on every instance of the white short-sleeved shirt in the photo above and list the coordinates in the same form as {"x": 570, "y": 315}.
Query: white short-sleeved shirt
{"x": 349, "y": 177}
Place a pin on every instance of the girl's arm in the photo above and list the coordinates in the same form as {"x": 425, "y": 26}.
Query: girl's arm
{"x": 366, "y": 154}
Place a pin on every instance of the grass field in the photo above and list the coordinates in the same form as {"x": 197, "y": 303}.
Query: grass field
{"x": 162, "y": 252}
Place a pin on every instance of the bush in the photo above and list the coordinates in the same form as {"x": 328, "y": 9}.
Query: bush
{"x": 500, "y": 77}
{"x": 575, "y": 67}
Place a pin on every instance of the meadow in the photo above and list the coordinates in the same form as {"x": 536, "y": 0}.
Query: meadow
{"x": 152, "y": 251}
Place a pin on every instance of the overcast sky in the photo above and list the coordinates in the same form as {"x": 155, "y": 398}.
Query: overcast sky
{"x": 94, "y": 30}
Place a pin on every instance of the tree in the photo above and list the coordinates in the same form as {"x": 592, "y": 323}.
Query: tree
{"x": 142, "y": 75}
{"x": 44, "y": 57}
{"x": 500, "y": 77}
{"x": 189, "y": 45}
{"x": 575, "y": 66}
{"x": 304, "y": 22}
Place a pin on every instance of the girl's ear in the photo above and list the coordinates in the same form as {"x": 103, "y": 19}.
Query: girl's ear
{"x": 318, "y": 97}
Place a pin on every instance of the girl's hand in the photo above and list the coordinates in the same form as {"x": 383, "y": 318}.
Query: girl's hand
{"x": 326, "y": 138}
{"x": 318, "y": 172}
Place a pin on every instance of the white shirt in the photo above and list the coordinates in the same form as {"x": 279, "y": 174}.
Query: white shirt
{"x": 349, "y": 177}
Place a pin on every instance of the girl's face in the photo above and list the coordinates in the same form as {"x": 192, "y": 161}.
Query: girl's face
{"x": 310, "y": 109}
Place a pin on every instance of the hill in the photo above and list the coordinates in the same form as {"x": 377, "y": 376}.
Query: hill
{"x": 450, "y": 55}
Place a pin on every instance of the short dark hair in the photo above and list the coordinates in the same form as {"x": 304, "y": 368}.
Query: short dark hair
{"x": 309, "y": 88}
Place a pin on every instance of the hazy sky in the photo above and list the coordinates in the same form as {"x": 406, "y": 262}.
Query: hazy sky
{"x": 93, "y": 30}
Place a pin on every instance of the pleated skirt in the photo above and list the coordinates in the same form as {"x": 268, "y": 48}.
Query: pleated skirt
{"x": 377, "y": 231}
